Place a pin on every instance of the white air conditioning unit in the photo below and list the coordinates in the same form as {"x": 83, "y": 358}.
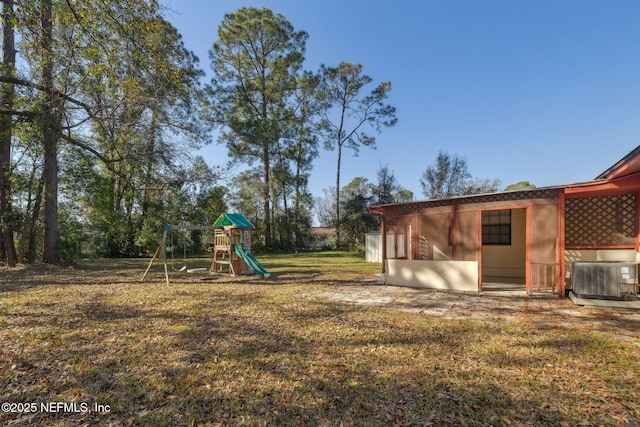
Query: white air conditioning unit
{"x": 605, "y": 280}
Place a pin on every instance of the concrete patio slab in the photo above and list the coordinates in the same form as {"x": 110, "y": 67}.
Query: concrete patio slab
{"x": 502, "y": 307}
{"x": 591, "y": 302}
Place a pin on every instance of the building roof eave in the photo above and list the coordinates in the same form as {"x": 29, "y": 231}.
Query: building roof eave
{"x": 625, "y": 166}
{"x": 622, "y": 176}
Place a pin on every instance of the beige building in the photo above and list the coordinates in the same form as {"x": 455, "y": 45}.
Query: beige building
{"x": 323, "y": 237}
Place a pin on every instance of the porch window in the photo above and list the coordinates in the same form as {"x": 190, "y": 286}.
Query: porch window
{"x": 496, "y": 227}
{"x": 398, "y": 239}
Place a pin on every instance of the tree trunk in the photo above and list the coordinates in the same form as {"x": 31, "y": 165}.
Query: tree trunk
{"x": 297, "y": 227}
{"x": 266, "y": 194}
{"x": 338, "y": 195}
{"x": 33, "y": 229}
{"x": 50, "y": 253}
{"x": 25, "y": 230}
{"x": 284, "y": 217}
{"x": 32, "y": 204}
{"x": 7, "y": 244}
{"x": 149, "y": 169}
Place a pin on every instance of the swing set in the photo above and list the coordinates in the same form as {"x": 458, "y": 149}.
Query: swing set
{"x": 231, "y": 248}
{"x": 161, "y": 253}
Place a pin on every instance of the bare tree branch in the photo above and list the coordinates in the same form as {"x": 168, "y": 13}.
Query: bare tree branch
{"x": 92, "y": 150}
{"x": 41, "y": 88}
{"x": 5, "y": 112}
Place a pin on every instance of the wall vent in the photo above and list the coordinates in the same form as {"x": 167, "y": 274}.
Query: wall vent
{"x": 605, "y": 280}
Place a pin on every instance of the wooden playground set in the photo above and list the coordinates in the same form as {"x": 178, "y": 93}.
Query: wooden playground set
{"x": 231, "y": 248}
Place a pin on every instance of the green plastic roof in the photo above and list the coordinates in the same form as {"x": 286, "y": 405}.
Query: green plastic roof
{"x": 232, "y": 220}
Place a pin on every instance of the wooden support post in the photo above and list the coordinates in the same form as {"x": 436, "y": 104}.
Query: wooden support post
{"x": 560, "y": 284}
{"x": 452, "y": 235}
{"x": 160, "y": 253}
{"x": 527, "y": 251}
{"x": 479, "y": 240}
{"x": 150, "y": 263}
{"x": 164, "y": 255}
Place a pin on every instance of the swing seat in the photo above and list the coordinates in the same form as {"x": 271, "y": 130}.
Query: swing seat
{"x": 182, "y": 269}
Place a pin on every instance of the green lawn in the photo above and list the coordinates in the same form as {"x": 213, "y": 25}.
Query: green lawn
{"x": 213, "y": 350}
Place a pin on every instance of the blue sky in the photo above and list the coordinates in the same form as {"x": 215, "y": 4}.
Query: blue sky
{"x": 540, "y": 91}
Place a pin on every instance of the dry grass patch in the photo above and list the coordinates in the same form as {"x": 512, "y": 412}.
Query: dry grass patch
{"x": 227, "y": 351}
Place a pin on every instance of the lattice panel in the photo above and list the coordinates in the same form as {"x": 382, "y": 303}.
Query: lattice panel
{"x": 551, "y": 194}
{"x": 423, "y": 247}
{"x": 600, "y": 221}
{"x": 411, "y": 207}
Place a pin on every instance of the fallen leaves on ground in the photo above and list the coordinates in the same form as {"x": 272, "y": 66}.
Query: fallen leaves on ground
{"x": 248, "y": 351}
